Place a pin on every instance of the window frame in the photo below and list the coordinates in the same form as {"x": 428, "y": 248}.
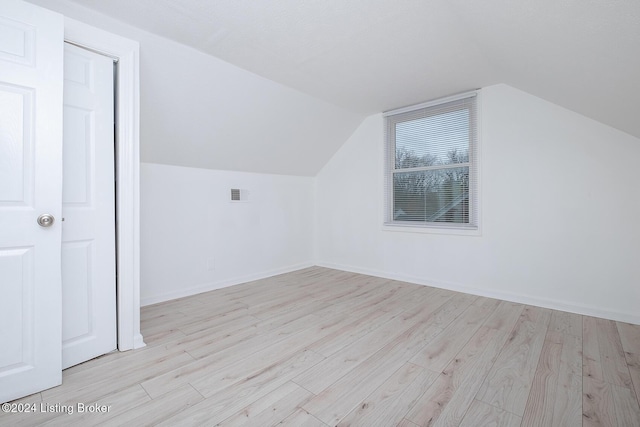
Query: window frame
{"x": 391, "y": 118}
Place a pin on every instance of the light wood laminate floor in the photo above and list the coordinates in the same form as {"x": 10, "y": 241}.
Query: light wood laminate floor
{"x": 321, "y": 347}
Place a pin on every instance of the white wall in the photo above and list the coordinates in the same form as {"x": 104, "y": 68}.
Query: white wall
{"x": 194, "y": 239}
{"x": 560, "y": 210}
{"x": 199, "y": 111}
{"x": 560, "y": 192}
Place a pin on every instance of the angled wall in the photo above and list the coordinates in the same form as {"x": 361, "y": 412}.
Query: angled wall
{"x": 560, "y": 205}
{"x": 559, "y": 191}
{"x": 206, "y": 127}
{"x": 199, "y": 111}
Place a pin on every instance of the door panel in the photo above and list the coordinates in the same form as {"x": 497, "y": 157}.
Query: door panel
{"x": 16, "y": 147}
{"x": 88, "y": 199}
{"x": 16, "y": 267}
{"x": 17, "y": 37}
{"x": 77, "y": 161}
{"x": 31, "y": 41}
{"x": 77, "y": 259}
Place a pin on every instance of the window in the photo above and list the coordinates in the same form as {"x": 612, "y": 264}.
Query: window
{"x": 431, "y": 165}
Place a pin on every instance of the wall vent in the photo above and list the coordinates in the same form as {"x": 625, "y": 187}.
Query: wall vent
{"x": 239, "y": 195}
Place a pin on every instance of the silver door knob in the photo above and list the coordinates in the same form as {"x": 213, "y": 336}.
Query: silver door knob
{"x": 46, "y": 220}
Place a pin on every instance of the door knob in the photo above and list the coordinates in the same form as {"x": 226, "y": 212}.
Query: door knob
{"x": 46, "y": 220}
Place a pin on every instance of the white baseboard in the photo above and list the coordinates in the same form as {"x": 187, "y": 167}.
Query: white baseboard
{"x": 206, "y": 287}
{"x": 517, "y": 298}
{"x": 138, "y": 341}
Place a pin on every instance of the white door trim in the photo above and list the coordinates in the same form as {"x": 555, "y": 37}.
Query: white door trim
{"x": 127, "y": 171}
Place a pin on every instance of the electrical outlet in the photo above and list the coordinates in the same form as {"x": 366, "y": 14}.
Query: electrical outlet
{"x": 211, "y": 264}
{"x": 239, "y": 195}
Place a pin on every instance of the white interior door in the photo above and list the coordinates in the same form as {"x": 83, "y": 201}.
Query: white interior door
{"x": 31, "y": 41}
{"x": 88, "y": 199}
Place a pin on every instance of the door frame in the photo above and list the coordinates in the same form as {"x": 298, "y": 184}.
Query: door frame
{"x": 127, "y": 158}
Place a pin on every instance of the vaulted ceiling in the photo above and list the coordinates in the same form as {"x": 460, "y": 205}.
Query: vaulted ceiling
{"x": 373, "y": 55}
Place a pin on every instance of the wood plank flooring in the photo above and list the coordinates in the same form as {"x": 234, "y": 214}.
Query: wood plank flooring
{"x": 321, "y": 347}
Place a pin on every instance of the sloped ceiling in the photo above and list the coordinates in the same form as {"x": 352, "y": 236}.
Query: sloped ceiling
{"x": 374, "y": 55}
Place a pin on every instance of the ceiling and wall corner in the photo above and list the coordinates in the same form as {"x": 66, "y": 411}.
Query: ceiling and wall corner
{"x": 315, "y": 72}
{"x": 559, "y": 208}
{"x": 371, "y": 56}
{"x": 200, "y": 111}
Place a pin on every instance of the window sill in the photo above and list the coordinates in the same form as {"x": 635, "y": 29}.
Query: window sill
{"x": 431, "y": 229}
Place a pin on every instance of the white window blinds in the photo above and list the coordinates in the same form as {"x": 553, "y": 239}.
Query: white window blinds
{"x": 431, "y": 176}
